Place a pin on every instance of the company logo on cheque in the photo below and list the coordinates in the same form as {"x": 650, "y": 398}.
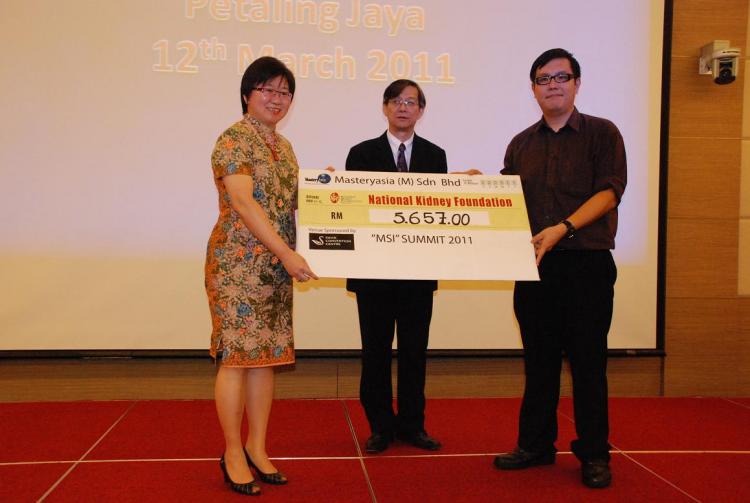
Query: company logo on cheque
{"x": 322, "y": 178}
{"x": 331, "y": 241}
{"x": 335, "y": 197}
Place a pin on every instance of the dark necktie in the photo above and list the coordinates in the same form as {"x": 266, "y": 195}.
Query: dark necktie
{"x": 401, "y": 163}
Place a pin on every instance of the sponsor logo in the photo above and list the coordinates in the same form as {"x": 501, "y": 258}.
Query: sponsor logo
{"x": 322, "y": 178}
{"x": 331, "y": 241}
{"x": 335, "y": 197}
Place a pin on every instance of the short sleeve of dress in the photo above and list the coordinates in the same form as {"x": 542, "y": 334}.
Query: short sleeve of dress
{"x": 232, "y": 154}
{"x": 287, "y": 147}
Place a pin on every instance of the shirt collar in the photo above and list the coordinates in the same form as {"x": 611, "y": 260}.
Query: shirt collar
{"x": 574, "y": 121}
{"x": 395, "y": 142}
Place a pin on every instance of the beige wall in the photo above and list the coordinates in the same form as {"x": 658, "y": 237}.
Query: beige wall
{"x": 707, "y": 336}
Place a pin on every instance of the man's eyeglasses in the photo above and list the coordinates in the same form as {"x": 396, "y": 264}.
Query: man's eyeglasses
{"x": 543, "y": 80}
{"x": 397, "y": 102}
{"x": 267, "y": 93}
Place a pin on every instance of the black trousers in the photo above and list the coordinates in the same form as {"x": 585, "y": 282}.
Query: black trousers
{"x": 569, "y": 310}
{"x": 409, "y": 312}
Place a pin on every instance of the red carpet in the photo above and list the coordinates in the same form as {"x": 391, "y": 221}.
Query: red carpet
{"x": 665, "y": 449}
{"x": 163, "y": 429}
{"x": 679, "y": 424}
{"x": 471, "y": 479}
{"x": 495, "y": 420}
{"x": 707, "y": 477}
{"x": 138, "y": 482}
{"x": 28, "y": 482}
{"x": 54, "y": 431}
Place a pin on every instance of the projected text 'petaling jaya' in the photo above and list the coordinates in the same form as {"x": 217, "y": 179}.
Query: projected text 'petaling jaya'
{"x": 188, "y": 55}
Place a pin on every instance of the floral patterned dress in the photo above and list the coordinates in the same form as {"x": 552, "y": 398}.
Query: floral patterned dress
{"x": 249, "y": 291}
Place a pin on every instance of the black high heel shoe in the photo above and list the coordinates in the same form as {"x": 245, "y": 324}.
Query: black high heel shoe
{"x": 275, "y": 478}
{"x": 248, "y": 488}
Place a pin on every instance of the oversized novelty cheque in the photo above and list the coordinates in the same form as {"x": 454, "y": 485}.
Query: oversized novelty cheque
{"x": 363, "y": 224}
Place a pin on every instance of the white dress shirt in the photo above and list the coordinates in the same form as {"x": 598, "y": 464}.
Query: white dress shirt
{"x": 395, "y": 142}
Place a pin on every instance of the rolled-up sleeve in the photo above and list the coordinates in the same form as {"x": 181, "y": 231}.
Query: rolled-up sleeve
{"x": 611, "y": 164}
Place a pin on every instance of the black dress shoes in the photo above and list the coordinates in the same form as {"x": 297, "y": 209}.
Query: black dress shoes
{"x": 420, "y": 439}
{"x": 519, "y": 459}
{"x": 378, "y": 442}
{"x": 596, "y": 474}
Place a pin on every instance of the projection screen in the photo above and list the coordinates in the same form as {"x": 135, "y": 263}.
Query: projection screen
{"x": 111, "y": 109}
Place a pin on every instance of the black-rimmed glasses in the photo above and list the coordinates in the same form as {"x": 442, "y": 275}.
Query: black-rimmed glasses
{"x": 543, "y": 80}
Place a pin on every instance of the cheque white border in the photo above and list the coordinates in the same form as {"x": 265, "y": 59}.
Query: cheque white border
{"x": 414, "y": 226}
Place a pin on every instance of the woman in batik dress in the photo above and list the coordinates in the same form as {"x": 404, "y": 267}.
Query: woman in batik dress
{"x": 250, "y": 264}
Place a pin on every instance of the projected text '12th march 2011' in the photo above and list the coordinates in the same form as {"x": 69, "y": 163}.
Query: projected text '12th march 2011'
{"x": 185, "y": 56}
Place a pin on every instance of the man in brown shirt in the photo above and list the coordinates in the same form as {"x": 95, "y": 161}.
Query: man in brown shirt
{"x": 573, "y": 171}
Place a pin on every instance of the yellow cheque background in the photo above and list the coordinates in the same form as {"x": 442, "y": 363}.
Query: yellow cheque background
{"x": 352, "y": 208}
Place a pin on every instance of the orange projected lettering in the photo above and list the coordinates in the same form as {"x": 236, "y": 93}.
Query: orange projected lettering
{"x": 339, "y": 66}
{"x": 317, "y": 60}
{"x": 400, "y": 65}
{"x": 373, "y": 16}
{"x": 189, "y": 53}
{"x": 324, "y": 15}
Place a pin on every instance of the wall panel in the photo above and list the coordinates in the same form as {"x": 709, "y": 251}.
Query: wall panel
{"x": 693, "y": 166}
{"x": 697, "y": 22}
{"x": 704, "y": 347}
{"x": 707, "y": 342}
{"x": 701, "y": 258}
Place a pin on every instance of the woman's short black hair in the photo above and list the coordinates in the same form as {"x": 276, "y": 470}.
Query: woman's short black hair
{"x": 395, "y": 88}
{"x": 551, "y": 54}
{"x": 261, "y": 71}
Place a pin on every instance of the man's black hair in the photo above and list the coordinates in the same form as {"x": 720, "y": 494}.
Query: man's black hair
{"x": 551, "y": 54}
{"x": 396, "y": 87}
